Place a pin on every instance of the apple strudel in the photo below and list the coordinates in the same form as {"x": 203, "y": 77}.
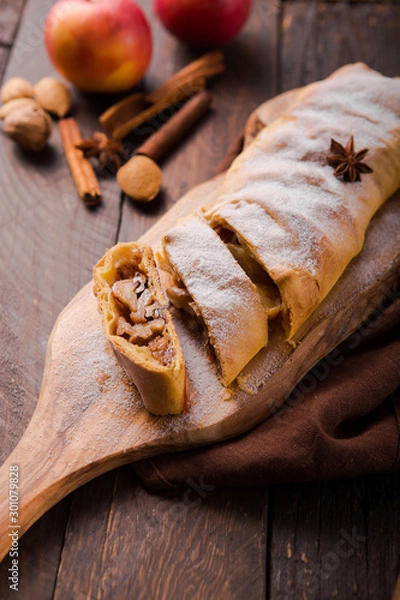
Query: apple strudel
{"x": 282, "y": 201}
{"x": 291, "y": 214}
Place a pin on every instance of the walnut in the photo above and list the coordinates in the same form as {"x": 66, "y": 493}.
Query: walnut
{"x": 140, "y": 333}
{"x": 52, "y": 95}
{"x": 8, "y": 108}
{"x": 124, "y": 291}
{"x": 30, "y": 126}
{"x": 162, "y": 350}
{"x": 16, "y": 87}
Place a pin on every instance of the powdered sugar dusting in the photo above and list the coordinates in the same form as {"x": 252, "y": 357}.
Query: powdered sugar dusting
{"x": 96, "y": 415}
{"x": 221, "y": 290}
{"x": 281, "y": 197}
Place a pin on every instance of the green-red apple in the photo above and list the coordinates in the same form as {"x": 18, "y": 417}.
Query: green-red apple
{"x": 99, "y": 45}
{"x": 203, "y": 22}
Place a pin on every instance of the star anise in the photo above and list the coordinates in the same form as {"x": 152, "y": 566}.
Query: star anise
{"x": 347, "y": 162}
{"x": 107, "y": 150}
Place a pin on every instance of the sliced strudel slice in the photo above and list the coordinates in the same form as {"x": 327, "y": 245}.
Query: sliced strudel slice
{"x": 139, "y": 326}
{"x": 222, "y": 294}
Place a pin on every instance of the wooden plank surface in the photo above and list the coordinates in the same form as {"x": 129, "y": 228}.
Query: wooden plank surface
{"x": 177, "y": 548}
{"x": 318, "y": 37}
{"x": 49, "y": 243}
{"x": 60, "y": 225}
{"x": 10, "y": 15}
{"x": 205, "y": 545}
{"x": 336, "y": 539}
{"x": 112, "y": 539}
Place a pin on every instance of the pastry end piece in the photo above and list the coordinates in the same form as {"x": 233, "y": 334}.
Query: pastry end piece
{"x": 139, "y": 326}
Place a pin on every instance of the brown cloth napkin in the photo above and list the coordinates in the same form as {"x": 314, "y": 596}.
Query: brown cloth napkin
{"x": 342, "y": 420}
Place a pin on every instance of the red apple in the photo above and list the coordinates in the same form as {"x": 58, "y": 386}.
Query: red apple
{"x": 203, "y": 22}
{"x": 99, "y": 45}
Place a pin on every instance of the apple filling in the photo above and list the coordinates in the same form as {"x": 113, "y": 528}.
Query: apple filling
{"x": 180, "y": 299}
{"x": 142, "y": 318}
{"x": 267, "y": 289}
{"x": 175, "y": 289}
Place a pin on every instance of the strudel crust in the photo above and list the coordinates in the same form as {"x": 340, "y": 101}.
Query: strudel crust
{"x": 283, "y": 202}
{"x": 226, "y": 299}
{"x": 139, "y": 326}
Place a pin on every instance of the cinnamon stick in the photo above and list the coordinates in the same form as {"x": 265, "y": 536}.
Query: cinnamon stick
{"x": 140, "y": 178}
{"x": 206, "y": 66}
{"x": 81, "y": 170}
{"x": 174, "y": 96}
{"x": 169, "y": 134}
{"x": 128, "y": 114}
{"x": 123, "y": 111}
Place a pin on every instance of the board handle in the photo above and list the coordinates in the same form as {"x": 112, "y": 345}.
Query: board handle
{"x": 27, "y": 485}
{"x": 45, "y": 467}
{"x": 37, "y": 474}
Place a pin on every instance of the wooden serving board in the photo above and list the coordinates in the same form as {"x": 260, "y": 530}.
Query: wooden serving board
{"x": 90, "y": 418}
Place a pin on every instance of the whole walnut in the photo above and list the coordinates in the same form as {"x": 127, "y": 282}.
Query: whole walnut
{"x": 16, "y": 87}
{"x": 12, "y": 105}
{"x": 30, "y": 126}
{"x": 52, "y": 95}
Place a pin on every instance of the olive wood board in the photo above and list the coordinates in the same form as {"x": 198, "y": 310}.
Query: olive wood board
{"x": 90, "y": 419}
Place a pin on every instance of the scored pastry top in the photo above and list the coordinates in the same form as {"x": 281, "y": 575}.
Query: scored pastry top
{"x": 283, "y": 202}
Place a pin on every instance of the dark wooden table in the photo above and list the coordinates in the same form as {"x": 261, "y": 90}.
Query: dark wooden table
{"x": 111, "y": 539}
